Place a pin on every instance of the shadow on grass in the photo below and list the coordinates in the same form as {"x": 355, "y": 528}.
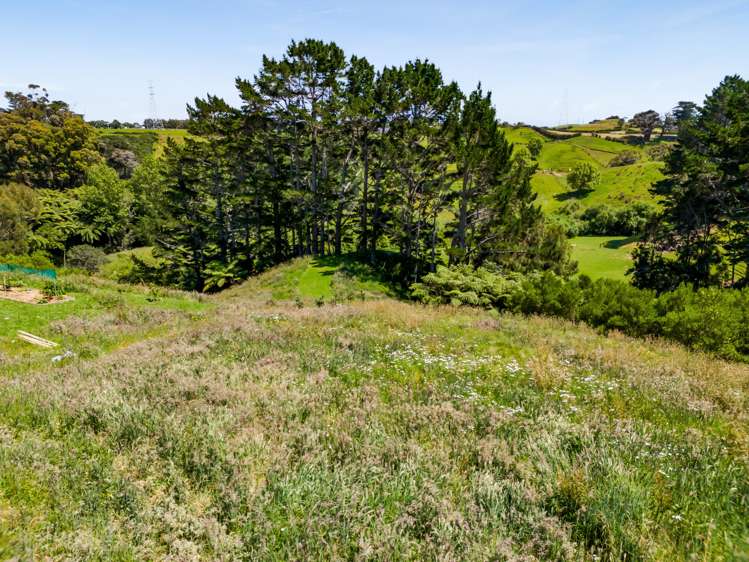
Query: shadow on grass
{"x": 359, "y": 267}
{"x": 616, "y": 244}
{"x": 577, "y": 195}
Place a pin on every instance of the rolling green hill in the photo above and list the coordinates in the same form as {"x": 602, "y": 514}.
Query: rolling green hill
{"x": 618, "y": 186}
{"x": 598, "y": 126}
{"x": 258, "y": 425}
{"x": 142, "y": 141}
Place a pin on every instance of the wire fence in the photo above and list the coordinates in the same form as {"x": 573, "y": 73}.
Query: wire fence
{"x": 11, "y": 268}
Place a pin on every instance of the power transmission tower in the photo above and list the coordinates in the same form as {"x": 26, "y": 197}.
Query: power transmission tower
{"x": 153, "y": 113}
{"x": 564, "y": 110}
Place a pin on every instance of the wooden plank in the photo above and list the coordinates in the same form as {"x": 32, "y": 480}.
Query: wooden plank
{"x": 36, "y": 340}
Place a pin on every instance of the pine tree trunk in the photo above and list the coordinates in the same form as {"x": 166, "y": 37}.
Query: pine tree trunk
{"x": 365, "y": 197}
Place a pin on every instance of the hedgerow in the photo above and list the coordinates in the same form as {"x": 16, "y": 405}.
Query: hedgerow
{"x": 711, "y": 319}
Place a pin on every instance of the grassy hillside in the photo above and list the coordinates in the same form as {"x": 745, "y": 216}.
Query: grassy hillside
{"x": 618, "y": 185}
{"x": 99, "y": 316}
{"x": 369, "y": 429}
{"x": 522, "y": 135}
{"x": 598, "y": 126}
{"x": 142, "y": 141}
{"x": 603, "y": 256}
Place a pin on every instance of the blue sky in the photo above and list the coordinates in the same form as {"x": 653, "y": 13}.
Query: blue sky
{"x": 545, "y": 62}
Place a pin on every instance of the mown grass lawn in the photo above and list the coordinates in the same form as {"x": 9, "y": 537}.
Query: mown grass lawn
{"x": 374, "y": 429}
{"x": 603, "y": 256}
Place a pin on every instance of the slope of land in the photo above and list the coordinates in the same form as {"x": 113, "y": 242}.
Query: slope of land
{"x": 618, "y": 185}
{"x": 142, "y": 141}
{"x": 266, "y": 424}
{"x": 597, "y": 126}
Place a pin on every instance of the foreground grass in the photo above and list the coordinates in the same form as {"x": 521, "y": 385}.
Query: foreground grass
{"x": 375, "y": 430}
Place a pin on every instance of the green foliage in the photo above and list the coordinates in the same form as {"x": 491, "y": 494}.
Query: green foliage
{"x": 604, "y": 220}
{"x": 324, "y": 156}
{"x": 535, "y": 145}
{"x": 702, "y": 236}
{"x": 659, "y": 152}
{"x": 626, "y": 158}
{"x": 85, "y": 257}
{"x": 44, "y": 144}
{"x": 53, "y": 288}
{"x": 104, "y": 204}
{"x": 549, "y": 294}
{"x": 148, "y": 207}
{"x": 57, "y": 222}
{"x": 219, "y": 275}
{"x": 141, "y": 143}
{"x": 19, "y": 207}
{"x": 463, "y": 285}
{"x": 646, "y": 122}
{"x": 35, "y": 260}
{"x": 712, "y": 320}
{"x": 583, "y": 177}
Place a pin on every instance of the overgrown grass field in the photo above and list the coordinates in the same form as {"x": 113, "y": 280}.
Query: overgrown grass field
{"x": 283, "y": 426}
{"x": 99, "y": 316}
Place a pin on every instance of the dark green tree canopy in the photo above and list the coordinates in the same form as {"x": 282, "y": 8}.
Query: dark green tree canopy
{"x": 326, "y": 155}
{"x": 42, "y": 143}
{"x": 705, "y": 195}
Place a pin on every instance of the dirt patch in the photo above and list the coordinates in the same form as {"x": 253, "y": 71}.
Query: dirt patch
{"x": 31, "y": 296}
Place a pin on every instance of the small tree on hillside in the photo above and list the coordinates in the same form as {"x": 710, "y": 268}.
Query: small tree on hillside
{"x": 534, "y": 146}
{"x": 646, "y": 121}
{"x": 582, "y": 177}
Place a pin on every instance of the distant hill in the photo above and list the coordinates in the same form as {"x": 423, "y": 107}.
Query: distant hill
{"x": 597, "y": 126}
{"x": 141, "y": 141}
{"x": 618, "y": 185}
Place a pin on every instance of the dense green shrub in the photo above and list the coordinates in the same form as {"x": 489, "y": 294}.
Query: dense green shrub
{"x": 614, "y": 305}
{"x": 709, "y": 319}
{"x": 464, "y": 285}
{"x": 604, "y": 220}
{"x": 659, "y": 152}
{"x": 548, "y": 294}
{"x": 535, "y": 145}
{"x": 625, "y": 158}
{"x": 34, "y": 260}
{"x": 53, "y": 288}
{"x": 570, "y": 224}
{"x": 582, "y": 177}
{"x": 86, "y": 257}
